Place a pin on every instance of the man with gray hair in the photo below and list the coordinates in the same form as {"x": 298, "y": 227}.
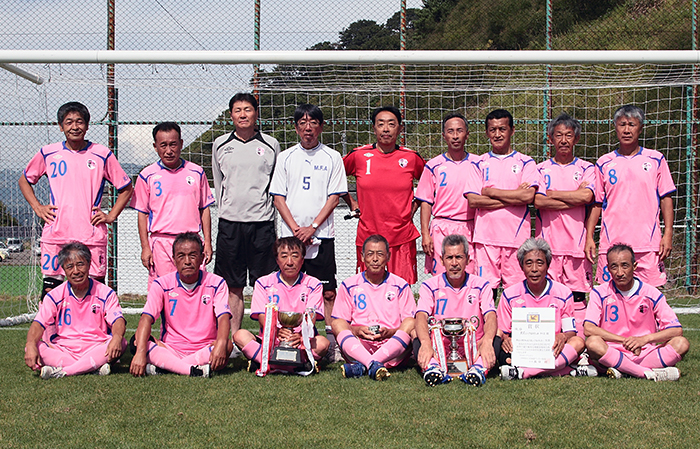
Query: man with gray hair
{"x": 534, "y": 257}
{"x": 455, "y": 294}
{"x": 569, "y": 185}
{"x": 632, "y": 180}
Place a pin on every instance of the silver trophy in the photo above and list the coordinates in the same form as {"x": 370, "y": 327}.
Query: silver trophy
{"x": 285, "y": 354}
{"x": 454, "y": 328}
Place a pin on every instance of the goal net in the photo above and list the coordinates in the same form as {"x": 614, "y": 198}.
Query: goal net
{"x": 196, "y": 96}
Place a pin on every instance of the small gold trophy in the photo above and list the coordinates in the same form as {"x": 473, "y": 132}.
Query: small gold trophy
{"x": 454, "y": 328}
{"x": 285, "y": 354}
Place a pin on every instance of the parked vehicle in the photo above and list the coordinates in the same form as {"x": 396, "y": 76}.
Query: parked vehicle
{"x": 4, "y": 253}
{"x": 15, "y": 245}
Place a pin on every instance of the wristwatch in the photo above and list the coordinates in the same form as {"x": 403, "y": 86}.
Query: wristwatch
{"x": 314, "y": 225}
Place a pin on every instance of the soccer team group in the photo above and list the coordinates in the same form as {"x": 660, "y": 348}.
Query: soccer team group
{"x": 475, "y": 227}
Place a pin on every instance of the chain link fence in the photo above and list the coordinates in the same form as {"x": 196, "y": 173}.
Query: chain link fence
{"x": 127, "y": 102}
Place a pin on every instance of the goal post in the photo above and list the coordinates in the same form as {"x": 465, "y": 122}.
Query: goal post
{"x": 193, "y": 89}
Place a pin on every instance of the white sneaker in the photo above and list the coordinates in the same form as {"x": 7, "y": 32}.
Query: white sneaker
{"x": 664, "y": 374}
{"x": 200, "y": 371}
{"x": 104, "y": 370}
{"x": 151, "y": 370}
{"x": 614, "y": 373}
{"x": 49, "y": 372}
{"x": 584, "y": 371}
{"x": 235, "y": 352}
{"x": 509, "y": 372}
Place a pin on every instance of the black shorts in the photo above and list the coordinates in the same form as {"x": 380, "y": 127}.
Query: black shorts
{"x": 244, "y": 250}
{"x": 322, "y": 267}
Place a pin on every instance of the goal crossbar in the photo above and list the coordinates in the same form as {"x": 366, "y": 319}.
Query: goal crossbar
{"x": 352, "y": 57}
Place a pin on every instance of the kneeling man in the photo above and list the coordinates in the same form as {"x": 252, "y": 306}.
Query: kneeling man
{"x": 87, "y": 318}
{"x": 534, "y": 256}
{"x": 456, "y": 294}
{"x": 195, "y": 318}
{"x": 292, "y": 291}
{"x": 631, "y": 329}
{"x": 373, "y": 315}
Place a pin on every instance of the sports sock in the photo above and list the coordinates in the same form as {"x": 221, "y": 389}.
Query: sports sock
{"x": 566, "y": 356}
{"x": 353, "y": 348}
{"x": 393, "y": 347}
{"x": 617, "y": 359}
{"x": 252, "y": 351}
{"x": 661, "y": 358}
{"x": 165, "y": 359}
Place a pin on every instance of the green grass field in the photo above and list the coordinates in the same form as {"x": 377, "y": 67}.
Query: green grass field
{"x": 235, "y": 408}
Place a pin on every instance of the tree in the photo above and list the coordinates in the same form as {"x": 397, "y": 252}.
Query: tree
{"x": 5, "y": 218}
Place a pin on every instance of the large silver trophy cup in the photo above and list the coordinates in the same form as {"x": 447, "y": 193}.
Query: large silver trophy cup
{"x": 454, "y": 328}
{"x": 285, "y": 354}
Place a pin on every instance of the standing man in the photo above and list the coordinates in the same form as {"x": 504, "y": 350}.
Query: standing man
{"x": 172, "y": 196}
{"x": 500, "y": 186}
{"x": 242, "y": 166}
{"x": 456, "y": 294}
{"x": 630, "y": 327}
{"x": 561, "y": 214}
{"x": 385, "y": 172}
{"x": 441, "y": 192}
{"x": 77, "y": 170}
{"x": 195, "y": 318}
{"x": 373, "y": 317}
{"x": 632, "y": 180}
{"x": 308, "y": 181}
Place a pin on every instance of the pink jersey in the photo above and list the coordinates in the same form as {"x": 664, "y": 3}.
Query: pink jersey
{"x": 642, "y": 313}
{"x": 472, "y": 301}
{"x": 630, "y": 187}
{"x": 173, "y": 199}
{"x": 188, "y": 318}
{"x": 509, "y": 226}
{"x": 80, "y": 323}
{"x": 306, "y": 293}
{"x": 564, "y": 230}
{"x": 385, "y": 192}
{"x": 442, "y": 186}
{"x": 362, "y": 303}
{"x": 76, "y": 179}
{"x": 555, "y": 295}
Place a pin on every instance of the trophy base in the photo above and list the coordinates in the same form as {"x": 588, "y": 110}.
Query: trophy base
{"x": 457, "y": 367}
{"x": 286, "y": 356}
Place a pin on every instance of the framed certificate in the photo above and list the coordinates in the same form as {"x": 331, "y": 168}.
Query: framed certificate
{"x": 533, "y": 337}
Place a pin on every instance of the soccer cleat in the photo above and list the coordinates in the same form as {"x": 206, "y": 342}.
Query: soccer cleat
{"x": 377, "y": 371}
{"x": 433, "y": 376}
{"x": 584, "y": 371}
{"x": 51, "y": 372}
{"x": 509, "y": 372}
{"x": 200, "y": 371}
{"x": 665, "y": 374}
{"x": 354, "y": 369}
{"x": 474, "y": 377}
{"x": 152, "y": 370}
{"x": 253, "y": 366}
{"x": 104, "y": 370}
{"x": 614, "y": 373}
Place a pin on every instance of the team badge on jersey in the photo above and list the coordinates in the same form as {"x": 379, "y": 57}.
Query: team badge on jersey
{"x": 189, "y": 180}
{"x": 260, "y": 151}
{"x": 302, "y": 297}
{"x": 206, "y": 299}
{"x": 94, "y": 308}
{"x": 390, "y": 296}
{"x": 646, "y": 166}
{"x": 578, "y": 175}
{"x": 515, "y": 168}
{"x": 403, "y": 163}
{"x": 91, "y": 164}
{"x": 471, "y": 297}
{"x": 643, "y": 308}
